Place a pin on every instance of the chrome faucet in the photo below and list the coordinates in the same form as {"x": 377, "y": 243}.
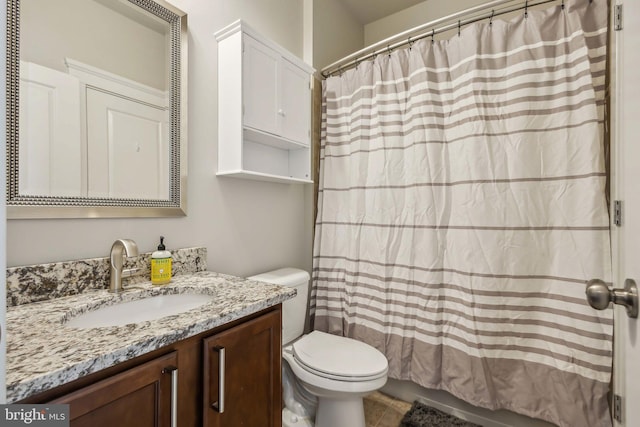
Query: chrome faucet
{"x": 120, "y": 249}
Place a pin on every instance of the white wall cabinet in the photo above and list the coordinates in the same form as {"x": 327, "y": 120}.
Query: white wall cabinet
{"x": 264, "y": 108}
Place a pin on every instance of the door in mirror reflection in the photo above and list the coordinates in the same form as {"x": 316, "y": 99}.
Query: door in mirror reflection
{"x": 94, "y": 104}
{"x": 127, "y": 147}
{"x": 50, "y": 132}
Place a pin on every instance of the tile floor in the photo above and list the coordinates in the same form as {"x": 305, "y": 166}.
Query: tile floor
{"x": 381, "y": 410}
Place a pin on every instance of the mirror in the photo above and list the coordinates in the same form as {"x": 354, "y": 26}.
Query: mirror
{"x": 96, "y": 112}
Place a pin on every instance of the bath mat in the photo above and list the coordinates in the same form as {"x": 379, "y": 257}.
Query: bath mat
{"x": 421, "y": 415}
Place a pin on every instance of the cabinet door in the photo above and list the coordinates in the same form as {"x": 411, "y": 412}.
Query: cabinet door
{"x": 260, "y": 86}
{"x": 242, "y": 375}
{"x": 139, "y": 397}
{"x": 295, "y": 103}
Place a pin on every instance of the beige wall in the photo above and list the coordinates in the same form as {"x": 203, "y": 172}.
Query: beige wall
{"x": 247, "y": 226}
{"x": 94, "y": 34}
{"x": 336, "y": 33}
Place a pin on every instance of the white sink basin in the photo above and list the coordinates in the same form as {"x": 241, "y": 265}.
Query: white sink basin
{"x": 141, "y": 310}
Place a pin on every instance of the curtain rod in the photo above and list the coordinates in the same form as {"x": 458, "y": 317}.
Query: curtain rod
{"x": 405, "y": 37}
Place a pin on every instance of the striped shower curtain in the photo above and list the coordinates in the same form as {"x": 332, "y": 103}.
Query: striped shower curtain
{"x": 463, "y": 207}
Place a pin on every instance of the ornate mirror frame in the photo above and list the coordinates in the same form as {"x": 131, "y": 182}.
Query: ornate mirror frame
{"x": 23, "y": 206}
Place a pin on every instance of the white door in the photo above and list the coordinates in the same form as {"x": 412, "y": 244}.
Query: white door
{"x": 127, "y": 147}
{"x": 626, "y": 187}
{"x": 50, "y": 134}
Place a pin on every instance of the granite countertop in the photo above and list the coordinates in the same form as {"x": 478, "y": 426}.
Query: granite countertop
{"x": 43, "y": 353}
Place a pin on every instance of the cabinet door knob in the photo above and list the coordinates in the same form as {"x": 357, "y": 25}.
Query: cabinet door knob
{"x": 281, "y": 112}
{"x": 219, "y": 405}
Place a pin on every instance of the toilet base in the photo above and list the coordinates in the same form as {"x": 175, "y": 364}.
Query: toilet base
{"x": 289, "y": 419}
{"x": 340, "y": 412}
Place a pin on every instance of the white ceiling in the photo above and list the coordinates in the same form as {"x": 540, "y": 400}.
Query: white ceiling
{"x": 366, "y": 11}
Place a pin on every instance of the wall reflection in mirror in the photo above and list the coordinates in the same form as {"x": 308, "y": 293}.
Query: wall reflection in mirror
{"x": 100, "y": 120}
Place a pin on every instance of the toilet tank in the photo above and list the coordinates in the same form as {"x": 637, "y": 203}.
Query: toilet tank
{"x": 294, "y": 310}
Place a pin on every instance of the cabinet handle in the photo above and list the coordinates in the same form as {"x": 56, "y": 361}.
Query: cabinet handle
{"x": 219, "y": 405}
{"x": 174, "y": 393}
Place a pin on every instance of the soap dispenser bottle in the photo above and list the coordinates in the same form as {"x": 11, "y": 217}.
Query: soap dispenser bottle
{"x": 161, "y": 265}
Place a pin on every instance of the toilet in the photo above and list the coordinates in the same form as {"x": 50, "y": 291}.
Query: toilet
{"x": 324, "y": 376}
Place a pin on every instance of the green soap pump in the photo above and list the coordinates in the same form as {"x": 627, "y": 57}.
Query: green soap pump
{"x": 161, "y": 265}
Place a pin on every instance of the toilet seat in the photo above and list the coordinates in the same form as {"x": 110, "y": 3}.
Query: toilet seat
{"x": 322, "y": 386}
{"x": 339, "y": 358}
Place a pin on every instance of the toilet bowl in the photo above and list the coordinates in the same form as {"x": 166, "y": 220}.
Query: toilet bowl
{"x": 340, "y": 372}
{"x": 334, "y": 371}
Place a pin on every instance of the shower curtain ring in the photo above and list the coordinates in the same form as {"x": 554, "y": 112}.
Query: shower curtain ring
{"x": 562, "y": 5}
{"x": 458, "y": 28}
{"x": 491, "y": 18}
{"x": 389, "y": 51}
{"x": 526, "y": 8}
{"x": 433, "y": 33}
{"x": 410, "y": 43}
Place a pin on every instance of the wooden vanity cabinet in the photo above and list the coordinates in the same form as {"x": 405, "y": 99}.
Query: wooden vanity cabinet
{"x": 138, "y": 392}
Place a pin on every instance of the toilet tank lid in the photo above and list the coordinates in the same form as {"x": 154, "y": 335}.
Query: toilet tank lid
{"x": 283, "y": 276}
